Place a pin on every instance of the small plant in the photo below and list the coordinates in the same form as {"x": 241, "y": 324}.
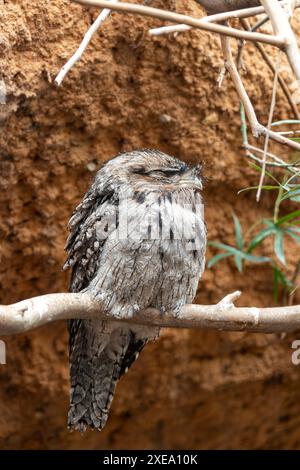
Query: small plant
{"x": 278, "y": 228}
{"x": 238, "y": 252}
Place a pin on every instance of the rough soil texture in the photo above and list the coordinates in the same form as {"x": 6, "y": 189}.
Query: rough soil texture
{"x": 190, "y": 389}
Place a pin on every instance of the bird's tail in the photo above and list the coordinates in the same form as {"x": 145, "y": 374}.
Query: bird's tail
{"x": 96, "y": 358}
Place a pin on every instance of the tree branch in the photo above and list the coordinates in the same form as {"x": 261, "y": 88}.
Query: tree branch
{"x": 216, "y": 17}
{"x": 28, "y": 314}
{"x": 83, "y": 45}
{"x": 219, "y": 17}
{"x": 283, "y": 29}
{"x": 184, "y": 19}
{"x": 286, "y": 41}
{"x": 257, "y": 128}
{"x": 271, "y": 66}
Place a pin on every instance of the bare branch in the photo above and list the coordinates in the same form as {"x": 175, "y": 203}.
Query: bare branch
{"x": 184, "y": 19}
{"x": 270, "y": 119}
{"x": 225, "y": 31}
{"x": 259, "y": 160}
{"x": 219, "y": 17}
{"x": 282, "y": 28}
{"x": 257, "y": 128}
{"x": 278, "y": 162}
{"x": 270, "y": 64}
{"x": 85, "y": 42}
{"x": 32, "y": 313}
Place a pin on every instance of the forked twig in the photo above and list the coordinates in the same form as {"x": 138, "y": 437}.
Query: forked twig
{"x": 282, "y": 28}
{"x": 257, "y": 128}
{"x": 177, "y": 18}
{"x": 271, "y": 66}
{"x": 283, "y": 39}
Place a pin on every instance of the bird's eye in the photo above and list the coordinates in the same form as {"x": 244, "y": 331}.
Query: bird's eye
{"x": 164, "y": 173}
{"x": 170, "y": 173}
{"x": 139, "y": 171}
{"x": 157, "y": 173}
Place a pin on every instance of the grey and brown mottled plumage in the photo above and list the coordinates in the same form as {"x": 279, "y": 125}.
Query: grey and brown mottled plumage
{"x": 136, "y": 240}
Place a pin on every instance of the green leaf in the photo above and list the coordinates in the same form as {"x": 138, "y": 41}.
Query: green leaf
{"x": 276, "y": 284}
{"x": 266, "y": 232}
{"x": 269, "y": 223}
{"x": 239, "y": 263}
{"x": 238, "y": 232}
{"x": 255, "y": 259}
{"x": 280, "y": 278}
{"x": 235, "y": 252}
{"x": 258, "y": 168}
{"x": 265, "y": 187}
{"x": 217, "y": 258}
{"x": 228, "y": 248}
{"x": 294, "y": 223}
{"x": 293, "y": 227}
{"x": 278, "y": 246}
{"x": 288, "y": 217}
{"x": 291, "y": 194}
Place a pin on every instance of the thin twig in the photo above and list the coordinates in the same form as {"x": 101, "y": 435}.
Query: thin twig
{"x": 259, "y": 160}
{"x": 249, "y": 154}
{"x": 257, "y": 128}
{"x": 85, "y": 42}
{"x": 288, "y": 132}
{"x": 259, "y": 23}
{"x": 38, "y": 311}
{"x": 219, "y": 17}
{"x": 279, "y": 162}
{"x": 271, "y": 66}
{"x": 270, "y": 119}
{"x": 244, "y": 125}
{"x": 177, "y": 18}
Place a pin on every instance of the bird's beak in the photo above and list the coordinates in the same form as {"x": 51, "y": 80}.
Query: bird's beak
{"x": 198, "y": 183}
{"x": 191, "y": 179}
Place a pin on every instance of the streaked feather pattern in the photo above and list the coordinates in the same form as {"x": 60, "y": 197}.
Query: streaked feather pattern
{"x": 154, "y": 260}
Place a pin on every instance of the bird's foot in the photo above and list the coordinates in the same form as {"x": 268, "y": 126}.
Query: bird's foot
{"x": 124, "y": 312}
{"x": 178, "y": 308}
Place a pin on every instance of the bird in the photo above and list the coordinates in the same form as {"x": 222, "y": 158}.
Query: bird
{"x": 137, "y": 240}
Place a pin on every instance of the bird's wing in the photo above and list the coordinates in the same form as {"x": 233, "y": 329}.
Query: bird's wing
{"x": 100, "y": 352}
{"x": 92, "y": 222}
{"x": 90, "y": 225}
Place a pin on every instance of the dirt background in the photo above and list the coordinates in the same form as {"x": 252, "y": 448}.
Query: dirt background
{"x": 190, "y": 389}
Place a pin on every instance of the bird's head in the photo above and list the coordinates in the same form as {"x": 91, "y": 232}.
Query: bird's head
{"x": 151, "y": 170}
